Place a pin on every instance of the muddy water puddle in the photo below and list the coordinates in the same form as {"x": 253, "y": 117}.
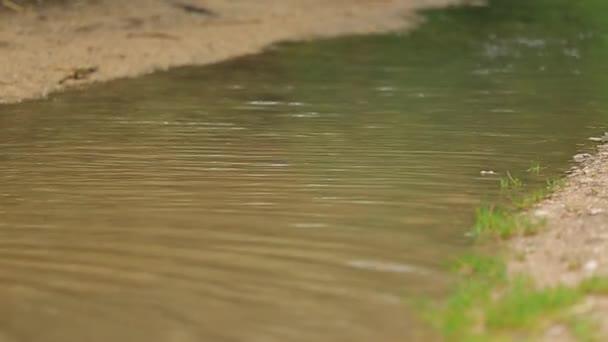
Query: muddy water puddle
{"x": 310, "y": 193}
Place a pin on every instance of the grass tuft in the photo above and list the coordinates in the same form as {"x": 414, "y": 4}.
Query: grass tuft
{"x": 535, "y": 168}
{"x": 497, "y": 222}
{"x": 510, "y": 182}
{"x": 584, "y": 330}
{"x": 531, "y": 199}
{"x": 488, "y": 305}
{"x": 522, "y": 306}
{"x": 595, "y": 285}
{"x": 555, "y": 184}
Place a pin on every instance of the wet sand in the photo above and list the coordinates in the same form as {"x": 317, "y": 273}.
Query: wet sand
{"x": 44, "y": 49}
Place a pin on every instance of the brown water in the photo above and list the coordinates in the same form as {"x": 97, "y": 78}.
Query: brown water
{"x": 311, "y": 193}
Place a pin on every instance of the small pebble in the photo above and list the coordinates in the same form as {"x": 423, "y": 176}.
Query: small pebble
{"x": 581, "y": 157}
{"x": 556, "y": 330}
{"x": 595, "y": 211}
{"x": 591, "y": 266}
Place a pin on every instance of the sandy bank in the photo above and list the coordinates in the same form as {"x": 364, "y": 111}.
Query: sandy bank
{"x": 41, "y": 47}
{"x": 574, "y": 243}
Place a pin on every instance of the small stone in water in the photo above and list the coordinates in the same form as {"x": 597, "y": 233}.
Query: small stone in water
{"x": 581, "y": 157}
{"x": 487, "y": 173}
{"x": 601, "y": 139}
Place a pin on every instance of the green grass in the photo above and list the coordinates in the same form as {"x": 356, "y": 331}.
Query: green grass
{"x": 480, "y": 266}
{"x": 492, "y": 221}
{"x": 529, "y": 200}
{"x": 479, "y": 275}
{"x": 488, "y": 305}
{"x": 510, "y": 182}
{"x": 555, "y": 184}
{"x": 584, "y": 330}
{"x": 535, "y": 168}
{"x": 595, "y": 285}
{"x": 523, "y": 307}
{"x": 534, "y": 197}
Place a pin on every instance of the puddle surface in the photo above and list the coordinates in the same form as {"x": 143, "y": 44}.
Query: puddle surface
{"x": 310, "y": 193}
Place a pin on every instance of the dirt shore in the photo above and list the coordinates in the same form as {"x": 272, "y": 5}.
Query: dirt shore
{"x": 47, "y": 48}
{"x": 573, "y": 245}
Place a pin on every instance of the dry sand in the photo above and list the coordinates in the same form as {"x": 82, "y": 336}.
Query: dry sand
{"x": 41, "y": 46}
{"x": 574, "y": 243}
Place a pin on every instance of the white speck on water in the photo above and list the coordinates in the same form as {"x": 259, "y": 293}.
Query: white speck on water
{"x": 259, "y": 204}
{"x": 533, "y": 43}
{"x": 502, "y": 110}
{"x": 305, "y": 115}
{"x": 481, "y": 72}
{"x": 264, "y": 103}
{"x": 309, "y": 225}
{"x": 385, "y": 266}
{"x": 573, "y": 52}
{"x": 385, "y": 89}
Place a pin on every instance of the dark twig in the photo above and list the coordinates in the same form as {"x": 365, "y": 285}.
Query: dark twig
{"x": 195, "y": 9}
{"x": 79, "y": 74}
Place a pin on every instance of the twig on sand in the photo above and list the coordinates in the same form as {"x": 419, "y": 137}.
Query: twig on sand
{"x": 79, "y": 74}
{"x": 157, "y": 35}
{"x": 195, "y": 9}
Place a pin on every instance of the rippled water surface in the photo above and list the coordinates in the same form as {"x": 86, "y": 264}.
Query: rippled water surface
{"x": 310, "y": 193}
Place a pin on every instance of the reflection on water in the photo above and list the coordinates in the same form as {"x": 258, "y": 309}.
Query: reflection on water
{"x": 305, "y": 194}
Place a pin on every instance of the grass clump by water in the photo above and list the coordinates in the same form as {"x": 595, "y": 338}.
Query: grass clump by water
{"x": 510, "y": 182}
{"x": 479, "y": 275}
{"x": 532, "y": 198}
{"x": 595, "y": 285}
{"x": 488, "y": 305}
{"x": 535, "y": 168}
{"x": 522, "y": 306}
{"x": 491, "y": 221}
{"x": 584, "y": 330}
{"x": 555, "y": 184}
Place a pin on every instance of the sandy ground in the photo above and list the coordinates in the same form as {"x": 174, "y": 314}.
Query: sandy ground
{"x": 574, "y": 244}
{"x": 42, "y": 48}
